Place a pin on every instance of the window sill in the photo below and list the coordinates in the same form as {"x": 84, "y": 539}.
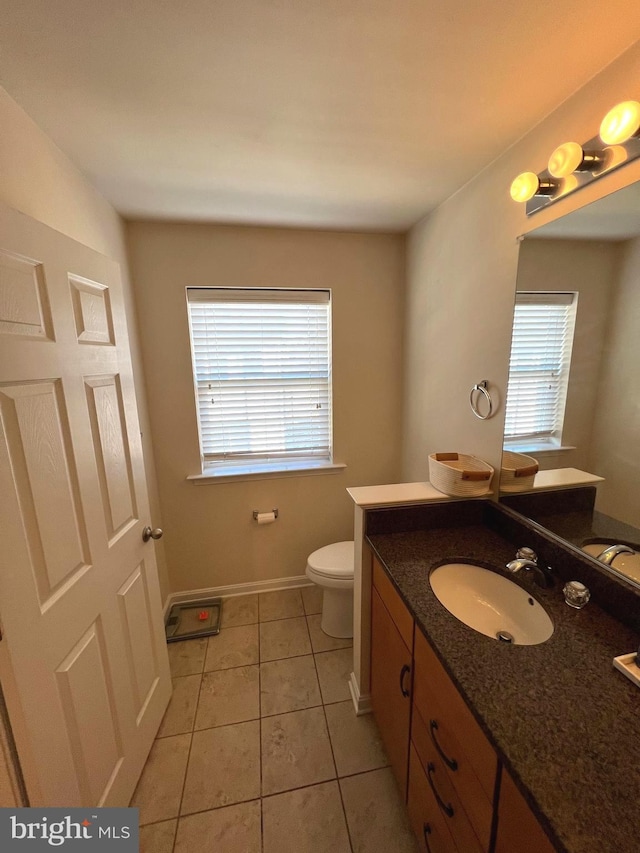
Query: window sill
{"x": 265, "y": 471}
{"x": 537, "y": 447}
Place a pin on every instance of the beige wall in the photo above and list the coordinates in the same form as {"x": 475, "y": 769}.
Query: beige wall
{"x": 211, "y": 538}
{"x": 616, "y": 445}
{"x": 37, "y": 179}
{"x": 462, "y": 264}
{"x": 588, "y": 268}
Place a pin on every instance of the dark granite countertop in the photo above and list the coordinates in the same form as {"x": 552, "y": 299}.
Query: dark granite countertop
{"x": 564, "y": 721}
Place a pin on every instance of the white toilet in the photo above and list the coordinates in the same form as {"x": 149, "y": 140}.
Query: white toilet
{"x": 331, "y": 568}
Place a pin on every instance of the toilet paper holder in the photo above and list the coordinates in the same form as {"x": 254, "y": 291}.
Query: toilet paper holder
{"x": 258, "y": 512}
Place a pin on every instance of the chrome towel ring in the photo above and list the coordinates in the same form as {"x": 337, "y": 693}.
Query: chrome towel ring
{"x": 481, "y": 388}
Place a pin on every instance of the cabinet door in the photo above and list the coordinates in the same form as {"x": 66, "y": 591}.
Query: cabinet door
{"x": 425, "y": 817}
{"x": 390, "y": 687}
{"x": 518, "y": 827}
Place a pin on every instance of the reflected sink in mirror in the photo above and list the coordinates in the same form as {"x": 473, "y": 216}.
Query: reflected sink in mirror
{"x": 491, "y": 604}
{"x": 627, "y": 565}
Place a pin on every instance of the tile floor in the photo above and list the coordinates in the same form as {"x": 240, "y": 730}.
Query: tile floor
{"x": 260, "y": 750}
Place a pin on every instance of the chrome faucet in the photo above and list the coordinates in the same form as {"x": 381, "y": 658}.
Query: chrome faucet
{"x": 526, "y": 558}
{"x": 609, "y": 554}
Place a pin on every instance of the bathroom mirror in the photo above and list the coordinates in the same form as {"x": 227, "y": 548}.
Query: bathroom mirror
{"x": 593, "y": 252}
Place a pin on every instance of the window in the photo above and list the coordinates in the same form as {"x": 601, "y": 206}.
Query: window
{"x": 543, "y": 329}
{"x": 262, "y": 368}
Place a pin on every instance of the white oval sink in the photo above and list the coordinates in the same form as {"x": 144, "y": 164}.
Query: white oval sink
{"x": 491, "y": 604}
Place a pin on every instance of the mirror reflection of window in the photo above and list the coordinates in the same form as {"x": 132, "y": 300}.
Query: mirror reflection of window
{"x": 539, "y": 368}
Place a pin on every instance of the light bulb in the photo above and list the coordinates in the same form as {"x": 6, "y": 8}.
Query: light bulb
{"x": 565, "y": 159}
{"x": 620, "y": 123}
{"x": 525, "y": 186}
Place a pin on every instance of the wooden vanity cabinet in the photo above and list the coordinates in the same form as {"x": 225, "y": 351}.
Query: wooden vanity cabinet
{"x": 445, "y": 767}
{"x": 391, "y": 671}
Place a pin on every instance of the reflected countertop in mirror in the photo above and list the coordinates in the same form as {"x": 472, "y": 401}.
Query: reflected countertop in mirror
{"x": 571, "y": 514}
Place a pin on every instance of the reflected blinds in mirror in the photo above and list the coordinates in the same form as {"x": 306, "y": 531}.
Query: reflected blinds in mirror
{"x": 539, "y": 367}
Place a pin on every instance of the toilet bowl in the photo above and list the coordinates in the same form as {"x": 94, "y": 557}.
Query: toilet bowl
{"x": 331, "y": 568}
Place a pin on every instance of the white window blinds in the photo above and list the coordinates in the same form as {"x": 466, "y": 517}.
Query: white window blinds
{"x": 262, "y": 366}
{"x": 541, "y": 345}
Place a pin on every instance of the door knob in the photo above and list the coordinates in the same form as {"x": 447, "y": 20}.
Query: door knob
{"x": 148, "y": 533}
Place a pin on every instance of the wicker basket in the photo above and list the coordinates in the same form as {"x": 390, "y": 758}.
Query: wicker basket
{"x": 459, "y": 475}
{"x": 518, "y": 472}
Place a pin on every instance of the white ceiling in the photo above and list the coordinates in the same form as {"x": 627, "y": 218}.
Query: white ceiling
{"x": 331, "y": 113}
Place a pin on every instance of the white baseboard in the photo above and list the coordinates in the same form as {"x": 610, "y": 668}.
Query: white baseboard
{"x": 235, "y": 589}
{"x": 361, "y": 702}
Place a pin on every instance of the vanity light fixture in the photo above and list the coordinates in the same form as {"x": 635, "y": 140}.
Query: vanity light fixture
{"x": 571, "y": 157}
{"x": 572, "y": 166}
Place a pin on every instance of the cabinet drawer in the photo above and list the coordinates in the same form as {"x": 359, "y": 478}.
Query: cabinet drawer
{"x": 458, "y": 734}
{"x": 477, "y": 804}
{"x": 402, "y": 619}
{"x": 425, "y": 817}
{"x": 450, "y": 806}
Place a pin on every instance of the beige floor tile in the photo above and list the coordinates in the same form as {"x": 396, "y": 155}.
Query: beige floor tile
{"x": 160, "y": 786}
{"x": 158, "y": 837}
{"x": 234, "y": 829}
{"x": 295, "y": 751}
{"x": 288, "y": 685}
{"x": 181, "y": 712}
{"x": 322, "y": 642}
{"x": 312, "y": 599}
{"x": 356, "y": 742}
{"x": 282, "y": 604}
{"x": 229, "y": 696}
{"x": 284, "y": 638}
{"x": 224, "y": 767}
{"x": 375, "y": 813}
{"x": 334, "y": 671}
{"x": 232, "y": 647}
{"x": 239, "y": 610}
{"x": 309, "y": 820}
{"x": 186, "y": 657}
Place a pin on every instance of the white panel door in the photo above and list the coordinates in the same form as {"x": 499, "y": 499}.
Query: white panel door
{"x": 83, "y": 658}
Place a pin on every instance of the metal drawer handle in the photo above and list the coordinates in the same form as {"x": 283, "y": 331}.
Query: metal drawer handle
{"x": 405, "y": 669}
{"x": 426, "y": 831}
{"x": 451, "y": 763}
{"x": 447, "y": 808}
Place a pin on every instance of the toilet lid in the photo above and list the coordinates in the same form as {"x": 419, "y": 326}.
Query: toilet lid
{"x": 333, "y": 561}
